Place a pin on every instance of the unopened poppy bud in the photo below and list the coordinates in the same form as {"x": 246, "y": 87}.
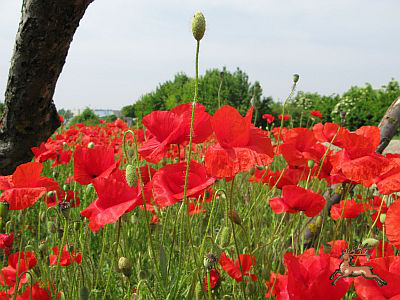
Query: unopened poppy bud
{"x": 371, "y": 242}
{"x": 318, "y": 221}
{"x": 64, "y": 208}
{"x": 260, "y": 168}
{"x": 382, "y": 218}
{"x": 209, "y": 261}
{"x": 89, "y": 188}
{"x": 43, "y": 246}
{"x": 125, "y": 265}
{"x": 51, "y": 194}
{"x": 130, "y": 175}
{"x": 90, "y": 145}
{"x": 4, "y": 209}
{"x": 198, "y": 26}
{"x": 296, "y": 78}
{"x": 84, "y": 293}
{"x": 225, "y": 237}
{"x": 310, "y": 164}
{"x": 60, "y": 232}
{"x": 234, "y": 216}
{"x": 51, "y": 227}
{"x": 252, "y": 171}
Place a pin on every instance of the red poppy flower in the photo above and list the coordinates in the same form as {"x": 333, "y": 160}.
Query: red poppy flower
{"x": 277, "y": 287}
{"x": 6, "y": 242}
{"x": 347, "y": 209}
{"x": 316, "y": 113}
{"x": 389, "y": 182}
{"x": 61, "y": 118}
{"x": 291, "y": 176}
{"x": 392, "y": 223}
{"x": 336, "y": 248}
{"x": 269, "y": 118}
{"x": 299, "y": 146}
{"x": 168, "y": 182}
{"x": 285, "y": 117}
{"x": 63, "y": 196}
{"x": 92, "y": 163}
{"x": 115, "y": 198}
{"x": 37, "y": 293}
{"x": 214, "y": 278}
{"x": 194, "y": 209}
{"x": 388, "y": 268}
{"x": 66, "y": 258}
{"x": 295, "y": 199}
{"x": 308, "y": 277}
{"x": 26, "y": 260}
{"x": 377, "y": 252}
{"x": 233, "y": 268}
{"x": 173, "y": 127}
{"x": 240, "y": 145}
{"x": 25, "y": 186}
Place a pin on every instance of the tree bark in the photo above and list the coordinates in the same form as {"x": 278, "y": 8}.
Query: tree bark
{"x": 389, "y": 125}
{"x": 44, "y": 36}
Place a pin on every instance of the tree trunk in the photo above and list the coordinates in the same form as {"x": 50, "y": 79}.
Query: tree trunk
{"x": 45, "y": 33}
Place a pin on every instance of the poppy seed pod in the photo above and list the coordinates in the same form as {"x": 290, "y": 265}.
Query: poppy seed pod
{"x": 125, "y": 265}
{"x": 198, "y": 26}
{"x": 370, "y": 242}
{"x": 130, "y": 175}
{"x": 382, "y": 218}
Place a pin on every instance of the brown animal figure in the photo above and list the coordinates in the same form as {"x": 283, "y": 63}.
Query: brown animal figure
{"x": 347, "y": 270}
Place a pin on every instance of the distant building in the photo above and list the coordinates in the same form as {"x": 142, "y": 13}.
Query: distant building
{"x": 107, "y": 112}
{"x": 99, "y": 112}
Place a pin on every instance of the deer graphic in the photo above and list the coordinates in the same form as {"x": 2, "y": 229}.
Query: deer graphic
{"x": 347, "y": 270}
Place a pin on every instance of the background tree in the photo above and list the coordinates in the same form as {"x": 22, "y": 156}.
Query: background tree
{"x": 66, "y": 113}
{"x": 87, "y": 117}
{"x": 44, "y": 36}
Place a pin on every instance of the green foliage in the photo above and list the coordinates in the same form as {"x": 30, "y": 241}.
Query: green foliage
{"x": 87, "y": 117}
{"x": 365, "y": 105}
{"x": 216, "y": 88}
{"x": 67, "y": 114}
{"x": 110, "y": 118}
{"x": 2, "y": 107}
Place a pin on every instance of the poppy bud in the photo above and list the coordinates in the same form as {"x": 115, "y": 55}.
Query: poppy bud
{"x": 371, "y": 242}
{"x": 234, "y": 216}
{"x": 198, "y": 26}
{"x": 252, "y": 171}
{"x": 51, "y": 227}
{"x": 125, "y": 265}
{"x": 51, "y": 194}
{"x": 60, "y": 232}
{"x": 84, "y": 293}
{"x": 310, "y": 164}
{"x": 318, "y": 221}
{"x": 130, "y": 175}
{"x": 90, "y": 145}
{"x": 64, "y": 208}
{"x": 89, "y": 188}
{"x": 296, "y": 78}
{"x": 209, "y": 261}
{"x": 4, "y": 209}
{"x": 382, "y": 218}
{"x": 225, "y": 237}
{"x": 260, "y": 168}
{"x": 43, "y": 246}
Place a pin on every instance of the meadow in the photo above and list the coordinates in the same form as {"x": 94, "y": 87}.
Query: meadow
{"x": 189, "y": 205}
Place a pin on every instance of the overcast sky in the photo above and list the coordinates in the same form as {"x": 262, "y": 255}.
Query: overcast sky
{"x": 125, "y": 48}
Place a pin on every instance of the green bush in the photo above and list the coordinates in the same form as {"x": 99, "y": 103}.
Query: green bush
{"x": 87, "y": 117}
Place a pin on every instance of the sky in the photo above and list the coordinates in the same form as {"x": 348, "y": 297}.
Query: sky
{"x": 124, "y": 48}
